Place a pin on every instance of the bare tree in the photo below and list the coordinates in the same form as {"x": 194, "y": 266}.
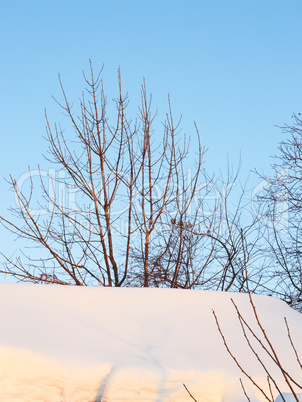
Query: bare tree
{"x": 123, "y": 188}
{"x": 128, "y": 205}
{"x": 234, "y": 239}
{"x": 280, "y": 203}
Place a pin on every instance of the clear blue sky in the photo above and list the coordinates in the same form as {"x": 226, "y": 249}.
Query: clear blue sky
{"x": 232, "y": 66}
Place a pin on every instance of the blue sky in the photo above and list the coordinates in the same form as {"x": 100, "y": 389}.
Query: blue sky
{"x": 234, "y": 67}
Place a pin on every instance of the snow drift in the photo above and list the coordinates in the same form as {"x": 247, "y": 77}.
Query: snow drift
{"x": 67, "y": 343}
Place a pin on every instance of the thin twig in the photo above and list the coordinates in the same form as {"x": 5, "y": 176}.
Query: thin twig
{"x": 189, "y": 393}
{"x": 292, "y": 344}
{"x": 244, "y": 391}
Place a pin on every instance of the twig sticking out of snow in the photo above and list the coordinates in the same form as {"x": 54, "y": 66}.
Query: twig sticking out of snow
{"x": 189, "y": 393}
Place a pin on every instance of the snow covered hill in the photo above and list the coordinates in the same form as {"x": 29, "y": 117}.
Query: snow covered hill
{"x": 122, "y": 344}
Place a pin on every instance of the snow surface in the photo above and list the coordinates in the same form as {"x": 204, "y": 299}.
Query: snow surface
{"x": 67, "y": 343}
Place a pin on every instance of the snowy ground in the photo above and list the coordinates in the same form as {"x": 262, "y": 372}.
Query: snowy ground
{"x": 105, "y": 344}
